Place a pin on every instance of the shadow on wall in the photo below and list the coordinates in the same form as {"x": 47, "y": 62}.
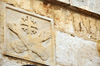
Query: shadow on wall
{"x": 29, "y": 65}
{"x": 33, "y": 65}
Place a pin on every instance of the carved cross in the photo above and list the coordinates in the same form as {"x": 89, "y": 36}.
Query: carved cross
{"x": 28, "y": 24}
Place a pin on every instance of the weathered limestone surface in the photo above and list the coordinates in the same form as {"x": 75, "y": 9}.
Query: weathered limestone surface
{"x": 45, "y": 9}
{"x": 75, "y": 51}
{"x": 20, "y": 42}
{"x": 28, "y": 36}
{"x": 2, "y": 19}
{"x": 69, "y": 50}
{"x": 63, "y": 19}
{"x": 9, "y": 61}
{"x": 24, "y": 4}
{"x": 86, "y": 27}
{"x": 4, "y": 61}
{"x": 90, "y": 5}
{"x": 80, "y": 3}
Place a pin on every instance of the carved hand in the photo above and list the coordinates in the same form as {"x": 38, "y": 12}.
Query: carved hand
{"x": 13, "y": 28}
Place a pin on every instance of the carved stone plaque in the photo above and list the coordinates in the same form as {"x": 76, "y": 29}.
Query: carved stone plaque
{"x": 29, "y": 36}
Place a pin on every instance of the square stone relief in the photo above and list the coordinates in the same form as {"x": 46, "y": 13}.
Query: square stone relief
{"x": 28, "y": 36}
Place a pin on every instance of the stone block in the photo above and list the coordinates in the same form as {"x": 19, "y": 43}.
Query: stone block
{"x": 63, "y": 19}
{"x": 92, "y": 5}
{"x": 59, "y": 17}
{"x": 28, "y": 36}
{"x": 24, "y": 4}
{"x": 69, "y": 21}
{"x": 85, "y": 26}
{"x": 79, "y": 52}
{"x": 86, "y": 23}
{"x": 42, "y": 9}
{"x": 92, "y": 25}
{"x": 80, "y": 3}
{"x": 98, "y": 29}
{"x": 1, "y": 26}
{"x": 98, "y": 25}
{"x": 77, "y": 21}
{"x": 97, "y": 6}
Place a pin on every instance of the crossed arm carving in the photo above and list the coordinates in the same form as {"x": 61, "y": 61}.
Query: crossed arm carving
{"x": 35, "y": 47}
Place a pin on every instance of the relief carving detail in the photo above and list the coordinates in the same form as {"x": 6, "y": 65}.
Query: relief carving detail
{"x": 22, "y": 44}
{"x": 28, "y": 25}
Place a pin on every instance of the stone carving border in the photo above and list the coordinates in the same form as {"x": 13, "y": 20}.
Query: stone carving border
{"x": 5, "y": 6}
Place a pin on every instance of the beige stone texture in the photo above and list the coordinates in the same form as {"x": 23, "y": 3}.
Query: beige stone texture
{"x": 63, "y": 19}
{"x": 24, "y": 4}
{"x": 86, "y": 26}
{"x": 41, "y": 8}
{"x": 92, "y": 25}
{"x": 90, "y": 5}
{"x": 28, "y": 36}
{"x": 71, "y": 50}
{"x": 86, "y": 23}
{"x": 75, "y": 51}
{"x": 2, "y": 17}
{"x": 77, "y": 22}
{"x": 97, "y": 7}
{"x": 4, "y": 61}
{"x": 78, "y": 25}
{"x": 98, "y": 29}
{"x": 11, "y": 61}
{"x": 98, "y": 25}
{"x": 84, "y": 4}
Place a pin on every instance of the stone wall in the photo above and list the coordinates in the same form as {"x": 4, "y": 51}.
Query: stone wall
{"x": 75, "y": 33}
{"x": 75, "y": 51}
{"x": 90, "y": 5}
